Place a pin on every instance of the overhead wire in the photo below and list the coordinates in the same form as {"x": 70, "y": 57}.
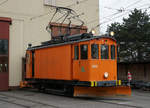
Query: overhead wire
{"x": 52, "y": 6}
{"x": 67, "y": 14}
{"x": 122, "y": 9}
{"x": 109, "y": 20}
{"x": 106, "y": 17}
{"x": 142, "y": 6}
{"x": 75, "y": 14}
{"x": 38, "y": 16}
{"x": 61, "y": 17}
{"x": 119, "y": 11}
{"x": 54, "y": 15}
{"x": 117, "y": 17}
{"x": 3, "y": 2}
{"x": 136, "y": 2}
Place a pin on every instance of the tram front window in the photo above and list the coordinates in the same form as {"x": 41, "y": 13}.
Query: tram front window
{"x": 113, "y": 52}
{"x": 104, "y": 52}
{"x": 94, "y": 51}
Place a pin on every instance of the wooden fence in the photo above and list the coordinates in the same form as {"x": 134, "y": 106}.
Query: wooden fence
{"x": 139, "y": 71}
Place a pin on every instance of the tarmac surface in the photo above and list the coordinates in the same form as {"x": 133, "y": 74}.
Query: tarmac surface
{"x": 34, "y": 99}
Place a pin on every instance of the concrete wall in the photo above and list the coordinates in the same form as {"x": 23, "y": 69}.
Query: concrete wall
{"x": 29, "y": 20}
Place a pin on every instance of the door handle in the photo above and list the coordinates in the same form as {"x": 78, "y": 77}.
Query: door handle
{"x": 6, "y": 67}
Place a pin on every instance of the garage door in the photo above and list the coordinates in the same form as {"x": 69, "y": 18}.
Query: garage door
{"x": 4, "y": 53}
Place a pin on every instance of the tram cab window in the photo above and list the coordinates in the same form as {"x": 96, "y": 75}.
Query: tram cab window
{"x": 84, "y": 51}
{"x": 94, "y": 51}
{"x": 76, "y": 52}
{"x": 104, "y": 52}
{"x": 113, "y": 52}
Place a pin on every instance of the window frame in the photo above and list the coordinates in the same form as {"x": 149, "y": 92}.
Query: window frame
{"x": 108, "y": 50}
{"x": 80, "y": 55}
{"x": 5, "y": 52}
{"x": 76, "y": 53}
{"x": 98, "y": 52}
{"x": 114, "y": 56}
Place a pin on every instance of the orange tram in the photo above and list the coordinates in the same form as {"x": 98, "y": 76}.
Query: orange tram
{"x": 77, "y": 65}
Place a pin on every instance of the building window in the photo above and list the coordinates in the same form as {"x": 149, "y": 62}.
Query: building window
{"x": 104, "y": 52}
{"x": 50, "y": 2}
{"x": 3, "y": 47}
{"x": 4, "y": 64}
{"x": 113, "y": 51}
{"x": 84, "y": 51}
{"x": 94, "y": 51}
{"x": 76, "y": 52}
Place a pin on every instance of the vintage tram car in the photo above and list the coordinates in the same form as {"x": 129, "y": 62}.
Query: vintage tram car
{"x": 78, "y": 65}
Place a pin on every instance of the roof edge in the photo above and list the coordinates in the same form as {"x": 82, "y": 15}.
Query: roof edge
{"x": 6, "y": 19}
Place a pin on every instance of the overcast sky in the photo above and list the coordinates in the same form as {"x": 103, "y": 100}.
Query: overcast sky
{"x": 114, "y": 10}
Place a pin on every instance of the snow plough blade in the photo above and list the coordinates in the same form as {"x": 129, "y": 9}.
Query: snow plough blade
{"x": 102, "y": 91}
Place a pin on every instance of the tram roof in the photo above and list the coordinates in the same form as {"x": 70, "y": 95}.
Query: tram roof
{"x": 69, "y": 42}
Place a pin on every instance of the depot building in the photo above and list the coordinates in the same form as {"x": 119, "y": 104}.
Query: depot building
{"x": 23, "y": 22}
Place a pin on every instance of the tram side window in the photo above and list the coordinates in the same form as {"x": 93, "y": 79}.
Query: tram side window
{"x": 113, "y": 52}
{"x": 84, "y": 51}
{"x": 94, "y": 51}
{"x": 76, "y": 52}
{"x": 104, "y": 52}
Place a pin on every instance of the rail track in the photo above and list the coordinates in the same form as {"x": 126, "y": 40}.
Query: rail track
{"x": 14, "y": 99}
{"x": 113, "y": 101}
{"x": 119, "y": 104}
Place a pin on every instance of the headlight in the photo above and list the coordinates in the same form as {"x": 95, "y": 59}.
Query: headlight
{"x": 106, "y": 75}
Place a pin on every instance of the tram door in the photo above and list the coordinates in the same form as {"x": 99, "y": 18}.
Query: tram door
{"x": 4, "y": 52}
{"x": 75, "y": 62}
{"x": 80, "y": 62}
